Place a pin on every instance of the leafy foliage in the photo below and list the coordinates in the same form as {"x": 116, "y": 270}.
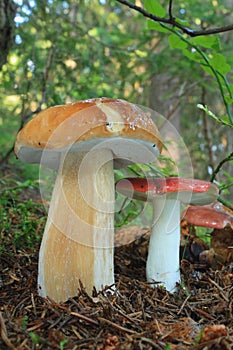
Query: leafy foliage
{"x": 22, "y": 220}
{"x": 207, "y": 53}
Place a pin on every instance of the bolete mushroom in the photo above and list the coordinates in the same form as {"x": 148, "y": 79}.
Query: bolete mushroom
{"x": 82, "y": 140}
{"x": 166, "y": 194}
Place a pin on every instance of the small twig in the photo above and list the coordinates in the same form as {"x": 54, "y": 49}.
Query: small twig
{"x": 221, "y": 291}
{"x": 127, "y": 317}
{"x": 205, "y": 314}
{"x": 217, "y": 169}
{"x": 226, "y": 203}
{"x": 120, "y": 328}
{"x": 170, "y": 10}
{"x": 77, "y": 334}
{"x": 183, "y": 305}
{"x": 35, "y": 326}
{"x": 84, "y": 318}
{"x": 206, "y": 132}
{"x": 158, "y": 326}
{"x": 151, "y": 342}
{"x": 33, "y": 303}
{"x": 4, "y": 334}
{"x": 76, "y": 314}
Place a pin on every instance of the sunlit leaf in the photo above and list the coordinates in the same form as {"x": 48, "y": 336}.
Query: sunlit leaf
{"x": 193, "y": 55}
{"x": 155, "y": 8}
{"x": 176, "y": 43}
{"x": 218, "y": 61}
{"x": 184, "y": 23}
{"x": 156, "y": 26}
{"x": 208, "y": 41}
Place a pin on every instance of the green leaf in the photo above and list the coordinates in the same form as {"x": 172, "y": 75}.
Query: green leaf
{"x": 183, "y": 22}
{"x": 62, "y": 343}
{"x": 192, "y": 55}
{"x": 207, "y": 41}
{"x": 35, "y": 338}
{"x": 154, "y": 7}
{"x": 207, "y": 69}
{"x": 229, "y": 99}
{"x": 176, "y": 43}
{"x": 225, "y": 119}
{"x": 156, "y": 26}
{"x": 218, "y": 62}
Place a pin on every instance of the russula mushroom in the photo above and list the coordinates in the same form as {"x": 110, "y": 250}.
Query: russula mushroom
{"x": 82, "y": 140}
{"x": 219, "y": 218}
{"x": 215, "y": 215}
{"x": 166, "y": 195}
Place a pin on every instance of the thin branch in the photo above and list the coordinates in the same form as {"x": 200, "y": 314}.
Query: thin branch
{"x": 216, "y": 171}
{"x": 171, "y": 21}
{"x": 206, "y": 131}
{"x": 170, "y": 10}
{"x": 225, "y": 202}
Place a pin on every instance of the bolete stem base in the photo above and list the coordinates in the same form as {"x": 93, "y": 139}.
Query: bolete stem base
{"x": 78, "y": 241}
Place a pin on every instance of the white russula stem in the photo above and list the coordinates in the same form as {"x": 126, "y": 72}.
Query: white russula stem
{"x": 163, "y": 254}
{"x": 78, "y": 242}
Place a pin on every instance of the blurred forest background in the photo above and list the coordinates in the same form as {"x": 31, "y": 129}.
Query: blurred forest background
{"x": 55, "y": 52}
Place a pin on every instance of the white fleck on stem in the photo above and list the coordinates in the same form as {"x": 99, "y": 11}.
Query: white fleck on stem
{"x": 78, "y": 242}
{"x": 163, "y": 254}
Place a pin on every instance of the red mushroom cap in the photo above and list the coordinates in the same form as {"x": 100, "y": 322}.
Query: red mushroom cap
{"x": 215, "y": 216}
{"x": 190, "y": 190}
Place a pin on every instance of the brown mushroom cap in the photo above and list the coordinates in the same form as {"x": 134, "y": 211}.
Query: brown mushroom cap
{"x": 215, "y": 215}
{"x": 59, "y": 127}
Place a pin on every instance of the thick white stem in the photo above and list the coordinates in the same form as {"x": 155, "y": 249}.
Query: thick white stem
{"x": 78, "y": 242}
{"x": 163, "y": 254}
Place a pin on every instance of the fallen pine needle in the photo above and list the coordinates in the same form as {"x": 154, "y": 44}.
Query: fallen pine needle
{"x": 101, "y": 319}
{"x": 85, "y": 318}
{"x": 4, "y": 334}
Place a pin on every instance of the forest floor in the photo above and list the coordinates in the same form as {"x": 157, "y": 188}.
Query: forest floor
{"x": 134, "y": 316}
